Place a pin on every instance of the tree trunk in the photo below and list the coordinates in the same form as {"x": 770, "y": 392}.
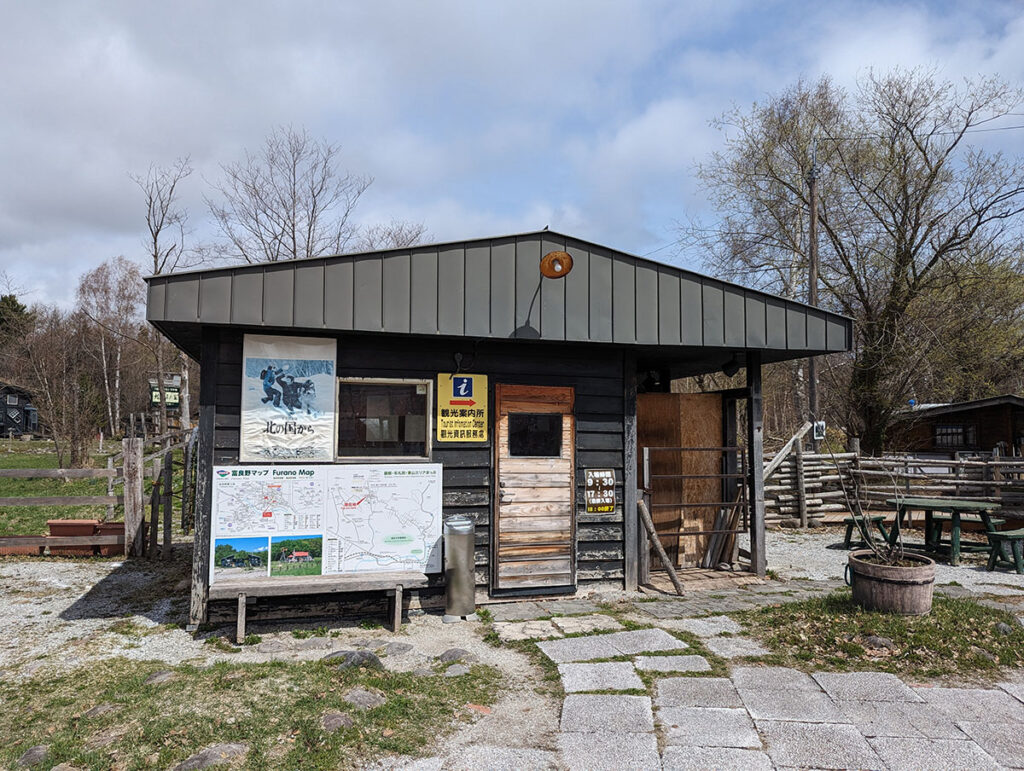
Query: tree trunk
{"x": 117, "y": 388}
{"x": 106, "y": 382}
{"x": 162, "y": 428}
{"x": 183, "y": 403}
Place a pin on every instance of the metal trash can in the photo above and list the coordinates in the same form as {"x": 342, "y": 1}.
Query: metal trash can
{"x": 460, "y": 591}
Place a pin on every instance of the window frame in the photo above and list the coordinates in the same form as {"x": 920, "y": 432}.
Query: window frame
{"x": 12, "y": 403}
{"x": 561, "y": 430}
{"x": 429, "y": 437}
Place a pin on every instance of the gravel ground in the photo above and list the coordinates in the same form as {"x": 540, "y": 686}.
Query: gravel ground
{"x": 805, "y": 554}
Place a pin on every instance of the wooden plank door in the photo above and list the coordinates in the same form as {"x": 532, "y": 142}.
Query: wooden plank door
{"x": 534, "y": 541}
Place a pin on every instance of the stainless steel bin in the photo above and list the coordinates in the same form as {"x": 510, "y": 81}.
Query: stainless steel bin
{"x": 460, "y": 591}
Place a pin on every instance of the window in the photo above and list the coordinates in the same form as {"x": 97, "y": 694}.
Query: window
{"x": 383, "y": 418}
{"x": 535, "y": 435}
{"x": 955, "y": 435}
{"x": 12, "y": 399}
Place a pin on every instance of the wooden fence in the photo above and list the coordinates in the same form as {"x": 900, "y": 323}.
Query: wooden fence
{"x": 802, "y": 488}
{"x": 130, "y": 475}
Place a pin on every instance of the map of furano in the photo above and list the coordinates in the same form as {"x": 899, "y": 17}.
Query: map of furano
{"x": 368, "y": 518}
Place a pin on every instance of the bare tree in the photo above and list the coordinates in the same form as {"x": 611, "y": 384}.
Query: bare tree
{"x": 287, "y": 201}
{"x": 906, "y": 207}
{"x": 166, "y": 225}
{"x": 393, "y": 235}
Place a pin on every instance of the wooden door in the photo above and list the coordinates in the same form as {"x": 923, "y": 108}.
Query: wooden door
{"x": 534, "y": 541}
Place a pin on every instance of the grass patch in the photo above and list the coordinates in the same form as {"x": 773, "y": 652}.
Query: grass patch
{"x": 275, "y": 708}
{"x": 830, "y": 632}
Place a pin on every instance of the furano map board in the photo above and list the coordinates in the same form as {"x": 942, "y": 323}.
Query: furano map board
{"x": 325, "y": 520}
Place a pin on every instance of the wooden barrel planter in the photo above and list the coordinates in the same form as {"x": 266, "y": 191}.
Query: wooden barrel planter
{"x": 902, "y": 589}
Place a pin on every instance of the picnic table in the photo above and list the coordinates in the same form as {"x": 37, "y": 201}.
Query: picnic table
{"x": 959, "y": 511}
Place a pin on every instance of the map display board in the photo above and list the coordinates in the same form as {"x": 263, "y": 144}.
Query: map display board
{"x": 325, "y": 520}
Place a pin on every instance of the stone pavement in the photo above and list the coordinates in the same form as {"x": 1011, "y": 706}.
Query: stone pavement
{"x": 758, "y": 717}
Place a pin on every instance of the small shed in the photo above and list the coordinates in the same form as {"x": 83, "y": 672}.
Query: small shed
{"x": 495, "y": 378}
{"x": 980, "y": 425}
{"x": 19, "y": 416}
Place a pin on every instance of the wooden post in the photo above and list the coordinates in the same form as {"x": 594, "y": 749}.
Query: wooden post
{"x": 755, "y": 447}
{"x": 204, "y": 475}
{"x": 154, "y": 518}
{"x": 801, "y": 489}
{"x": 168, "y": 501}
{"x": 396, "y": 609}
{"x": 644, "y": 561}
{"x": 186, "y": 482}
{"x": 134, "y": 505}
{"x": 995, "y": 475}
{"x": 110, "y": 490}
{"x": 240, "y": 621}
{"x": 645, "y": 517}
{"x": 629, "y": 476}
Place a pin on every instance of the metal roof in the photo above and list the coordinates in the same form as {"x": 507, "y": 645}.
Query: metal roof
{"x": 929, "y": 410}
{"x": 492, "y": 288}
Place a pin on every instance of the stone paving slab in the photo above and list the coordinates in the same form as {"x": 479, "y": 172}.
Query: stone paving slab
{"x": 517, "y": 611}
{"x": 774, "y": 679}
{"x": 644, "y": 641}
{"x": 672, "y": 664}
{"x": 607, "y": 676}
{"x": 1003, "y": 741}
{"x": 900, "y": 719}
{"x": 593, "y": 713}
{"x": 477, "y": 756}
{"x": 975, "y": 704}
{"x": 802, "y": 706}
{"x": 606, "y": 752}
{"x": 708, "y": 727}
{"x": 932, "y": 754}
{"x": 666, "y": 609}
{"x": 817, "y": 745}
{"x": 696, "y": 692}
{"x": 510, "y": 631}
{"x": 865, "y": 686}
{"x": 709, "y": 627}
{"x": 734, "y": 647}
{"x": 568, "y": 607}
{"x": 597, "y": 622}
{"x": 718, "y": 758}
{"x": 1016, "y": 690}
{"x": 579, "y": 649}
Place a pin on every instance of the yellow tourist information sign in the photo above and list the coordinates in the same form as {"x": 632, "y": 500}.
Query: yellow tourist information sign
{"x": 461, "y": 407}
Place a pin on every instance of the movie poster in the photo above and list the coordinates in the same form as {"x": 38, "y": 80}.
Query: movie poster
{"x": 288, "y": 397}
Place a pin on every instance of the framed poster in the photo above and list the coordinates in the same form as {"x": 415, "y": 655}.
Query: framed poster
{"x": 288, "y": 399}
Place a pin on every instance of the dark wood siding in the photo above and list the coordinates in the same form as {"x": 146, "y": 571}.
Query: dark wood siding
{"x": 595, "y": 374}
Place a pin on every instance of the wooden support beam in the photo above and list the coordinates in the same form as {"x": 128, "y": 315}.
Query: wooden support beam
{"x": 134, "y": 505}
{"x": 204, "y": 475}
{"x": 755, "y": 446}
{"x": 396, "y": 608}
{"x": 631, "y": 545}
{"x": 240, "y": 621}
{"x": 645, "y": 517}
{"x": 168, "y": 502}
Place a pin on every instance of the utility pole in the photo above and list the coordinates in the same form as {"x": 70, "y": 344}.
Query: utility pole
{"x": 812, "y": 286}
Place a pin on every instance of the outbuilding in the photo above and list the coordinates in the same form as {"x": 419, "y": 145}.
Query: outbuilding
{"x": 522, "y": 381}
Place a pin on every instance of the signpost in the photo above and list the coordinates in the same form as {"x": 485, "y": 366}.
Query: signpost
{"x": 461, "y": 407}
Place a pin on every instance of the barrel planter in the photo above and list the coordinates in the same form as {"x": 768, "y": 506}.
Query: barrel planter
{"x": 902, "y": 589}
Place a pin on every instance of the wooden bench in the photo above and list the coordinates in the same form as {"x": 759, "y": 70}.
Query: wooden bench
{"x": 1006, "y": 546}
{"x": 392, "y": 583}
{"x": 878, "y": 520}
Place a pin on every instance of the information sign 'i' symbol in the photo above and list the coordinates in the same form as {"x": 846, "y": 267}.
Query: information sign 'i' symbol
{"x": 462, "y": 386}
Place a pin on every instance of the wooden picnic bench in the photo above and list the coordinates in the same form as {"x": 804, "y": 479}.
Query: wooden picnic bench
{"x": 393, "y": 583}
{"x": 878, "y": 520}
{"x": 1007, "y": 546}
{"x": 939, "y": 507}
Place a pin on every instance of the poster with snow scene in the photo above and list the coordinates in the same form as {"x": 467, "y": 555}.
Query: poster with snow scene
{"x": 288, "y": 393}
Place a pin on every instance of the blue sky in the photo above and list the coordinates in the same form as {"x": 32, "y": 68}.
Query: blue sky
{"x": 476, "y": 118}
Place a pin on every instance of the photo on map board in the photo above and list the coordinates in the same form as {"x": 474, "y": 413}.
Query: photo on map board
{"x": 296, "y": 555}
{"x": 288, "y": 399}
{"x": 240, "y": 558}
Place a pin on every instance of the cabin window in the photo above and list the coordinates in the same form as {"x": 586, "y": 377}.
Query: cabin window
{"x": 535, "y": 435}
{"x": 12, "y": 399}
{"x": 384, "y": 418}
{"x": 955, "y": 435}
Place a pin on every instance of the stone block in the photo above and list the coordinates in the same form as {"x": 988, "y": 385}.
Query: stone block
{"x": 773, "y": 679}
{"x": 718, "y": 758}
{"x": 673, "y": 664}
{"x": 592, "y": 713}
{"x": 710, "y": 626}
{"x": 597, "y": 622}
{"x": 865, "y": 686}
{"x": 696, "y": 692}
{"x": 708, "y": 727}
{"x": 510, "y": 631}
{"x": 899, "y": 719}
{"x": 817, "y": 745}
{"x": 644, "y": 641}
{"x": 735, "y": 647}
{"x": 606, "y": 752}
{"x": 975, "y": 704}
{"x": 802, "y": 706}
{"x": 516, "y": 611}
{"x": 932, "y": 754}
{"x": 569, "y": 607}
{"x": 1003, "y": 741}
{"x": 607, "y": 676}
{"x": 479, "y": 756}
{"x": 578, "y": 649}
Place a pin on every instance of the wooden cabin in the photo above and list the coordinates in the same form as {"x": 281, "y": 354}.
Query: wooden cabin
{"x": 19, "y": 416}
{"x": 531, "y": 372}
{"x": 981, "y": 425}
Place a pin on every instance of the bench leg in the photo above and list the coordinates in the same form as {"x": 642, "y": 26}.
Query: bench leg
{"x": 880, "y": 524}
{"x": 1018, "y": 555}
{"x": 848, "y": 540}
{"x": 240, "y": 624}
{"x": 396, "y": 609}
{"x": 954, "y": 536}
{"x": 993, "y": 556}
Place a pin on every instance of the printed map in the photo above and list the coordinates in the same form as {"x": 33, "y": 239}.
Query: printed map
{"x": 383, "y": 518}
{"x": 255, "y": 505}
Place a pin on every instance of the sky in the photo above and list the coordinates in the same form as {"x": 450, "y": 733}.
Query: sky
{"x": 474, "y": 118}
